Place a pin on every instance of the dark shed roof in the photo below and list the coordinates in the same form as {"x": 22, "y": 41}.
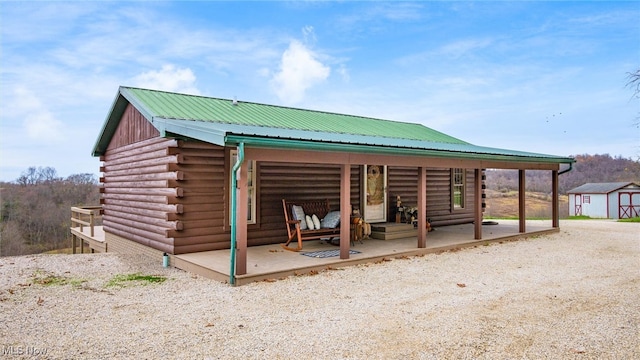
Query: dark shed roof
{"x": 600, "y": 188}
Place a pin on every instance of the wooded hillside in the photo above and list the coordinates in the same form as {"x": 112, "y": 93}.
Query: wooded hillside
{"x": 35, "y": 212}
{"x": 587, "y": 169}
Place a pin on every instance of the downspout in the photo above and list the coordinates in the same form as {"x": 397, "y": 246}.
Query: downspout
{"x": 566, "y": 170}
{"x": 234, "y": 181}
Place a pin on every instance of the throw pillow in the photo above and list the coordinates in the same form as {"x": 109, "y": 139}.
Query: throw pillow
{"x": 309, "y": 221}
{"x": 298, "y": 214}
{"x": 316, "y": 221}
{"x": 332, "y": 220}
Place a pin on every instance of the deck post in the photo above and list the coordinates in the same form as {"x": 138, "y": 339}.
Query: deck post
{"x": 73, "y": 243}
{"x": 241, "y": 221}
{"x": 477, "y": 202}
{"x": 91, "y": 223}
{"x": 345, "y": 210}
{"x": 555, "y": 207}
{"x": 521, "y": 201}
{"x": 422, "y": 207}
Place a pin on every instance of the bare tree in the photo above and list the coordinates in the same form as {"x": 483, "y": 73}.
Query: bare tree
{"x": 34, "y": 214}
{"x": 634, "y": 83}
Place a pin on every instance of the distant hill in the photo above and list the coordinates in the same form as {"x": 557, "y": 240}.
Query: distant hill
{"x": 588, "y": 168}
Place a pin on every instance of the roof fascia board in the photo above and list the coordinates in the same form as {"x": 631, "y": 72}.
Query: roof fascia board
{"x": 114, "y": 115}
{"x": 322, "y": 146}
{"x": 144, "y": 110}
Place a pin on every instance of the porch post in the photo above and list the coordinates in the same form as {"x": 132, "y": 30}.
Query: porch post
{"x": 345, "y": 210}
{"x": 477, "y": 201}
{"x": 521, "y": 201}
{"x": 241, "y": 221}
{"x": 555, "y": 206}
{"x": 422, "y": 207}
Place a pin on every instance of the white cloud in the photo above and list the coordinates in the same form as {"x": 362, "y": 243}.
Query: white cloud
{"x": 169, "y": 78}
{"x": 38, "y": 121}
{"x": 309, "y": 34}
{"x": 299, "y": 70}
{"x": 344, "y": 73}
{"x": 41, "y": 125}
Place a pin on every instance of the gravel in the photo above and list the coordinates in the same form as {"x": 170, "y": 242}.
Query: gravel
{"x": 570, "y": 295}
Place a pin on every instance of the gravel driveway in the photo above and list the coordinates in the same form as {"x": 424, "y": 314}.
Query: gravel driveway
{"x": 570, "y": 295}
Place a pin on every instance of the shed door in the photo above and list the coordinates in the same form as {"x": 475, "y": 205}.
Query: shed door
{"x": 628, "y": 205}
{"x": 578, "y": 204}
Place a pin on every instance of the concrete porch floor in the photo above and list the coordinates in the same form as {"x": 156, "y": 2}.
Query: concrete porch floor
{"x": 268, "y": 262}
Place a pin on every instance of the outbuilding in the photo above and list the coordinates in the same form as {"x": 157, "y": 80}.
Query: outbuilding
{"x": 612, "y": 200}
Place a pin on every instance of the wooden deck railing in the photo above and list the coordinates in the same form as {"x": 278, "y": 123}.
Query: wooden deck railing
{"x": 86, "y": 216}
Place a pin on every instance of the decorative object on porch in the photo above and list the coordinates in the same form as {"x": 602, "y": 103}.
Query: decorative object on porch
{"x": 327, "y": 253}
{"x": 319, "y": 208}
{"x": 297, "y": 213}
{"x": 331, "y": 221}
{"x": 400, "y": 215}
{"x": 309, "y": 221}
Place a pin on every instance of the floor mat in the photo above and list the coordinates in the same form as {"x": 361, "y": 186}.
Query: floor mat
{"x": 327, "y": 253}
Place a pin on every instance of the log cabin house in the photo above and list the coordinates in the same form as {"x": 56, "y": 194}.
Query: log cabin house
{"x": 168, "y": 180}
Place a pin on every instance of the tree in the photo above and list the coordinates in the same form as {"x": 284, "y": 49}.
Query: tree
{"x": 634, "y": 83}
{"x": 35, "y": 209}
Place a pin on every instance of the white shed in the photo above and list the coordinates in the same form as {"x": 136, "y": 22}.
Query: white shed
{"x": 616, "y": 200}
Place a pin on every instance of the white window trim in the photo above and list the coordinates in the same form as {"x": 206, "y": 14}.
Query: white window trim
{"x": 251, "y": 191}
{"x": 462, "y": 186}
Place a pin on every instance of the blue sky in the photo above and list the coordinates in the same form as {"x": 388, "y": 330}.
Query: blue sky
{"x": 546, "y": 77}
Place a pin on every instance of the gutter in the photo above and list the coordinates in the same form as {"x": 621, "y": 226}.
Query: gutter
{"x": 234, "y": 181}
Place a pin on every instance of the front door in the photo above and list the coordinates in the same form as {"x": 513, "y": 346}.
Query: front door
{"x": 374, "y": 193}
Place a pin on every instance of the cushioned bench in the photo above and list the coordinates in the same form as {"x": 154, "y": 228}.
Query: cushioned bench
{"x": 298, "y": 225}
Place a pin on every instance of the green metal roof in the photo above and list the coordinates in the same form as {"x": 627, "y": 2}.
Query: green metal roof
{"x": 189, "y": 107}
{"x": 227, "y": 122}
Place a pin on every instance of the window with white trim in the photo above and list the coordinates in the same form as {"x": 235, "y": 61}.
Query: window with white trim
{"x": 457, "y": 188}
{"x": 251, "y": 181}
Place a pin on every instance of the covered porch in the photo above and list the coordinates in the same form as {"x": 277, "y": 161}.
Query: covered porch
{"x": 271, "y": 262}
{"x": 245, "y": 258}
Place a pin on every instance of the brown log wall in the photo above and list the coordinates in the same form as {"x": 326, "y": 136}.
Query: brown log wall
{"x": 135, "y": 194}
{"x": 403, "y": 181}
{"x": 279, "y": 181}
{"x": 204, "y": 198}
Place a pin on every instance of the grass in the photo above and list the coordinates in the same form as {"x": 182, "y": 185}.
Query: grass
{"x": 124, "y": 280}
{"x": 631, "y": 220}
{"x": 48, "y": 279}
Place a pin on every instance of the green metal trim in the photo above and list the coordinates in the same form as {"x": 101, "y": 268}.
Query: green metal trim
{"x": 139, "y": 105}
{"x": 191, "y": 130}
{"x": 232, "y": 140}
{"x": 110, "y": 125}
